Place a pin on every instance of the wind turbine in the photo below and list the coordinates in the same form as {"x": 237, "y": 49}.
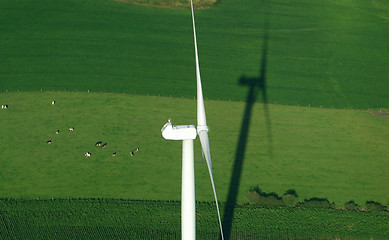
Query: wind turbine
{"x": 187, "y": 133}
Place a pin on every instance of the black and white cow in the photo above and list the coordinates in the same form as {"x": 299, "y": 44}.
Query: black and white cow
{"x": 136, "y": 149}
{"x": 53, "y": 102}
{"x": 98, "y": 144}
{"x": 48, "y": 142}
{"x": 131, "y": 153}
{"x": 104, "y": 145}
{"x": 114, "y": 154}
{"x": 57, "y": 132}
{"x": 5, "y": 106}
{"x": 71, "y": 129}
{"x": 87, "y": 154}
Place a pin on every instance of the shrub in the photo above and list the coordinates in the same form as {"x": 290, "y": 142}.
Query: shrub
{"x": 256, "y": 196}
{"x": 317, "y": 203}
{"x": 375, "y": 206}
{"x": 351, "y": 205}
{"x": 290, "y": 198}
{"x": 291, "y": 192}
{"x": 253, "y": 197}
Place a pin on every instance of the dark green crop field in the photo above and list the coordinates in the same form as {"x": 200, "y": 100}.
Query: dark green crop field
{"x": 123, "y": 219}
{"x": 329, "y": 53}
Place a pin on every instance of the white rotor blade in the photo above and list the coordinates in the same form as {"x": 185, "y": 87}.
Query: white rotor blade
{"x": 203, "y": 135}
{"x": 202, "y": 128}
{"x": 201, "y": 119}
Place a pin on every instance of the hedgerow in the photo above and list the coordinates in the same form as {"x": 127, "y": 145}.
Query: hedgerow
{"x": 290, "y": 198}
{"x": 351, "y": 205}
{"x": 375, "y": 206}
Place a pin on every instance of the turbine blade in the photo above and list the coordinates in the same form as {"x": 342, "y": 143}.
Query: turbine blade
{"x": 203, "y": 135}
{"x": 201, "y": 119}
{"x": 202, "y": 122}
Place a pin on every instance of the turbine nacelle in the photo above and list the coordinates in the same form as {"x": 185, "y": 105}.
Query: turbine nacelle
{"x": 179, "y": 132}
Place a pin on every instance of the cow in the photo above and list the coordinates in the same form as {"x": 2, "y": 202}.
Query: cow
{"x": 71, "y": 129}
{"x": 48, "y": 142}
{"x": 5, "y": 106}
{"x": 136, "y": 149}
{"x": 53, "y": 102}
{"x": 57, "y": 132}
{"x": 114, "y": 154}
{"x": 104, "y": 145}
{"x": 98, "y": 144}
{"x": 87, "y": 154}
{"x": 131, "y": 154}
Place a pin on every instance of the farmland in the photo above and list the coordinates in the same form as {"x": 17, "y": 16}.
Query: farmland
{"x": 324, "y": 154}
{"x": 119, "y": 219}
{"x": 296, "y": 98}
{"x": 327, "y": 53}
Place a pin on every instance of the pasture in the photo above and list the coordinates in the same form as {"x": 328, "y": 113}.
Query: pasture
{"x": 332, "y": 153}
{"x": 329, "y": 53}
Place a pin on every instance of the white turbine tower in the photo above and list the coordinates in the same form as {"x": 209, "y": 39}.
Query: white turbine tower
{"x": 187, "y": 133}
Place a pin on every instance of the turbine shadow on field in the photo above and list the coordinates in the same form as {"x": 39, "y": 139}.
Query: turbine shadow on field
{"x": 257, "y": 85}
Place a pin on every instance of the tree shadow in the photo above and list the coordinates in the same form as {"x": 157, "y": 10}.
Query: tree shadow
{"x": 256, "y": 85}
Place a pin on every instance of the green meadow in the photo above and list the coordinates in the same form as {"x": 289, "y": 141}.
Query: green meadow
{"x": 329, "y": 53}
{"x": 337, "y": 154}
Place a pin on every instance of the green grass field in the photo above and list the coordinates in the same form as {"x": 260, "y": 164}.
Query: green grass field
{"x": 329, "y": 53}
{"x": 337, "y": 154}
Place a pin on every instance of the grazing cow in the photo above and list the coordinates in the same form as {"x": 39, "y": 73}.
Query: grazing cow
{"x": 136, "y": 149}
{"x": 98, "y": 144}
{"x": 53, "y": 102}
{"x": 104, "y": 145}
{"x": 71, "y": 129}
{"x": 114, "y": 154}
{"x": 57, "y": 132}
{"x": 5, "y": 106}
{"x": 131, "y": 153}
{"x": 48, "y": 142}
{"x": 87, "y": 154}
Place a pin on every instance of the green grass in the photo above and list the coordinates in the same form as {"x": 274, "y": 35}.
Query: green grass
{"x": 337, "y": 154}
{"x": 123, "y": 219}
{"x": 329, "y": 53}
